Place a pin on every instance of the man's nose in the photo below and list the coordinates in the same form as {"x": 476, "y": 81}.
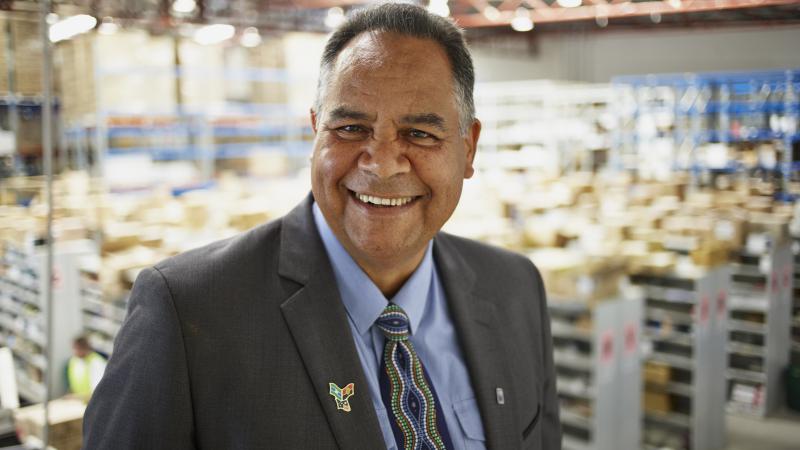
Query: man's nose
{"x": 385, "y": 157}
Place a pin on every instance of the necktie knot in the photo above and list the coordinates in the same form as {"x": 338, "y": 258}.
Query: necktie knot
{"x": 394, "y": 323}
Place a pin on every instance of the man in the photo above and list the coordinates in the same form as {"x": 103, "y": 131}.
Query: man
{"x": 85, "y": 368}
{"x": 352, "y": 322}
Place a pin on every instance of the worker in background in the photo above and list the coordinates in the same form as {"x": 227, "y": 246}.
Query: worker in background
{"x": 85, "y": 368}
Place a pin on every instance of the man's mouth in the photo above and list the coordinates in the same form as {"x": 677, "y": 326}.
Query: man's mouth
{"x": 383, "y": 201}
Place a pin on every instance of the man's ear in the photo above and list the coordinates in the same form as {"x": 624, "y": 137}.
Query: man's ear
{"x": 313, "y": 115}
{"x": 471, "y": 141}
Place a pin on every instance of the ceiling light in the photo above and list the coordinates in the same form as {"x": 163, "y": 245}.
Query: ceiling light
{"x": 107, "y": 26}
{"x": 335, "y": 17}
{"x": 184, "y": 6}
{"x": 655, "y": 17}
{"x": 602, "y": 21}
{"x": 71, "y": 27}
{"x": 676, "y": 3}
{"x": 214, "y": 34}
{"x": 569, "y": 3}
{"x": 439, "y": 7}
{"x": 491, "y": 13}
{"x": 522, "y": 20}
{"x": 250, "y": 37}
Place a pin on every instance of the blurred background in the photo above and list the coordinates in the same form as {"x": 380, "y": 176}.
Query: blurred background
{"x": 645, "y": 154}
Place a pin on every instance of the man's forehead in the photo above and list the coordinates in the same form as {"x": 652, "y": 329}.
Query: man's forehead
{"x": 383, "y": 48}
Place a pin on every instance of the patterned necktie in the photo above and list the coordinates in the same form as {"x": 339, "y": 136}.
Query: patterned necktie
{"x": 416, "y": 415}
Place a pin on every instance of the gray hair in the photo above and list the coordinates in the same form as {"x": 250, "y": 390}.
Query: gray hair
{"x": 414, "y": 21}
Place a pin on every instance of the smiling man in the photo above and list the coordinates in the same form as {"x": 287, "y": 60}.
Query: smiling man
{"x": 352, "y": 322}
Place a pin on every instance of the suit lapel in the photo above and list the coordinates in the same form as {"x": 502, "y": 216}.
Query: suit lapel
{"x": 318, "y": 322}
{"x": 478, "y": 329}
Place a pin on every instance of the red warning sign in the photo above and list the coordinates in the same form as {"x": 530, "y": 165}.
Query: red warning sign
{"x": 607, "y": 347}
{"x": 787, "y": 277}
{"x": 631, "y": 338}
{"x": 721, "y": 307}
{"x": 57, "y": 279}
{"x": 704, "y": 305}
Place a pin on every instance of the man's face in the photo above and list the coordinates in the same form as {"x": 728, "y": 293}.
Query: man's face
{"x": 388, "y": 132}
{"x": 79, "y": 351}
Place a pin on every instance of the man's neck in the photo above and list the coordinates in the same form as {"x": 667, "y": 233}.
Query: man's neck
{"x": 389, "y": 277}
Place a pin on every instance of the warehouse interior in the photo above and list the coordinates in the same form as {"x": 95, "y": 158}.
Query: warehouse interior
{"x": 644, "y": 154}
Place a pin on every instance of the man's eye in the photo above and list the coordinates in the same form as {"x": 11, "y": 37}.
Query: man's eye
{"x": 351, "y": 131}
{"x": 419, "y": 134}
{"x": 420, "y": 137}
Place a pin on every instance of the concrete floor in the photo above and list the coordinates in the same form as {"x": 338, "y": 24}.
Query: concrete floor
{"x": 780, "y": 431}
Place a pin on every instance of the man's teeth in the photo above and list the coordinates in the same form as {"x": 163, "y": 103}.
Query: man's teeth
{"x": 384, "y": 201}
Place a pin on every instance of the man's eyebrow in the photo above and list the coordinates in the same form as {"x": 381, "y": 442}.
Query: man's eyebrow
{"x": 343, "y": 112}
{"x": 431, "y": 119}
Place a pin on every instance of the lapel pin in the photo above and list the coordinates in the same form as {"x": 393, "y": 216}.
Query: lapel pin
{"x": 501, "y": 398}
{"x": 341, "y": 395}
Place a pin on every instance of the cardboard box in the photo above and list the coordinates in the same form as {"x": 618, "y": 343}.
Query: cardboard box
{"x": 573, "y": 276}
{"x": 711, "y": 254}
{"x": 656, "y": 263}
{"x": 66, "y": 422}
{"x": 657, "y": 402}
{"x": 657, "y": 373}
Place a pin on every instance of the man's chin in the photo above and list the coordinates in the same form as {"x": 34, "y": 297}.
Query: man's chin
{"x": 384, "y": 248}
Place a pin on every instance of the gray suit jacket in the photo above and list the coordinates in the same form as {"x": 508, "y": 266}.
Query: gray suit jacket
{"x": 232, "y": 346}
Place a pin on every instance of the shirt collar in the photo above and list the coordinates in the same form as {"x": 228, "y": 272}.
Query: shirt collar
{"x": 362, "y": 299}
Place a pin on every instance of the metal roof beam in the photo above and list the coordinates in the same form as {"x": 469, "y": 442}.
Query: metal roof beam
{"x": 617, "y": 10}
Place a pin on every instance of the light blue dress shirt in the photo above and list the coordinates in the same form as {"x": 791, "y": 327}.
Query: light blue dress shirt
{"x": 432, "y": 334}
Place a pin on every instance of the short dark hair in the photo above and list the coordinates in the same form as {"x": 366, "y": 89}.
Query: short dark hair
{"x": 82, "y": 342}
{"x": 414, "y": 21}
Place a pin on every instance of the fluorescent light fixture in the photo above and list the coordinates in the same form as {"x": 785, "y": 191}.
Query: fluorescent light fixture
{"x": 71, "y": 27}
{"x": 491, "y": 13}
{"x": 569, "y": 3}
{"x": 184, "y": 6}
{"x": 214, "y": 34}
{"x": 522, "y": 20}
{"x": 439, "y": 7}
{"x": 334, "y": 18}
{"x": 107, "y": 26}
{"x": 250, "y": 37}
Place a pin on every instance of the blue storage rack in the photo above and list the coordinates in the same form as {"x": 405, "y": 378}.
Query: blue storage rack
{"x": 724, "y": 107}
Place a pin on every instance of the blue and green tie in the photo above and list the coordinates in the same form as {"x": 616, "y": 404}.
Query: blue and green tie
{"x": 416, "y": 415}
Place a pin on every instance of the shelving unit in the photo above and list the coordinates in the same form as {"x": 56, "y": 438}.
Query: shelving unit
{"x": 760, "y": 328}
{"x": 102, "y": 316}
{"x": 708, "y": 123}
{"x": 205, "y": 106}
{"x": 685, "y": 317}
{"x": 202, "y": 138}
{"x": 596, "y": 353}
{"x": 548, "y": 126}
{"x": 22, "y": 321}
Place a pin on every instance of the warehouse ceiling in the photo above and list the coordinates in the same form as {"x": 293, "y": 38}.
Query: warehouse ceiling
{"x": 482, "y": 17}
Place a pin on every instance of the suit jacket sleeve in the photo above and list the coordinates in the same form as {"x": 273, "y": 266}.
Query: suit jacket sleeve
{"x": 143, "y": 400}
{"x": 551, "y": 422}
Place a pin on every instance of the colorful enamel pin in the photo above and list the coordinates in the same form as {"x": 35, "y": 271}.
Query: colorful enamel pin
{"x": 341, "y": 395}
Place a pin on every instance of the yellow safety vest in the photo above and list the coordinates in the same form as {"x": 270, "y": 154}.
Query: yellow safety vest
{"x": 80, "y": 381}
